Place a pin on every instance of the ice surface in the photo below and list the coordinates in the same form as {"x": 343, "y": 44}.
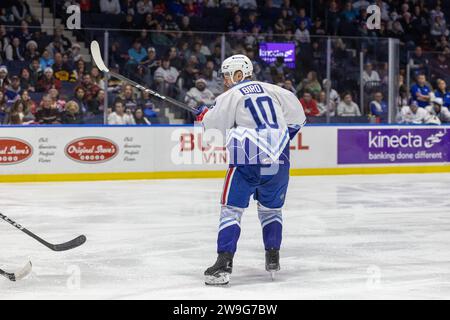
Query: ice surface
{"x": 345, "y": 237}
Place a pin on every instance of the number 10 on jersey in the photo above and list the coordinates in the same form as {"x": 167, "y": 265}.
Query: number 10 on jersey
{"x": 264, "y": 112}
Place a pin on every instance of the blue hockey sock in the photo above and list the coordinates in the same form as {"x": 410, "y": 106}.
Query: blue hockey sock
{"x": 272, "y": 226}
{"x": 229, "y": 229}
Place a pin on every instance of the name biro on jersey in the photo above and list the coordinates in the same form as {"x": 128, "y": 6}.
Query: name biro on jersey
{"x": 251, "y": 89}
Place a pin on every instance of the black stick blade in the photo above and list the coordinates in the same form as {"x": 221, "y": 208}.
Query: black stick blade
{"x": 72, "y": 244}
{"x": 25, "y": 271}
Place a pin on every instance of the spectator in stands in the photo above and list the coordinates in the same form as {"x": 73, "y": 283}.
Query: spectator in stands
{"x": 439, "y": 27}
{"x": 62, "y": 71}
{"x": 440, "y": 67}
{"x": 31, "y": 51}
{"x": 413, "y": 114}
{"x": 140, "y": 119}
{"x": 59, "y": 37}
{"x": 57, "y": 101}
{"x": 97, "y": 77}
{"x": 45, "y": 60}
{"x": 369, "y": 74}
{"x": 20, "y": 10}
{"x": 199, "y": 95}
{"x": 165, "y": 77}
{"x": 35, "y": 72}
{"x": 192, "y": 8}
{"x": 335, "y": 99}
{"x": 288, "y": 85}
{"x": 144, "y": 7}
{"x": 443, "y": 93}
{"x": 310, "y": 84}
{"x": 128, "y": 7}
{"x": 420, "y": 91}
{"x": 347, "y": 108}
{"x": 14, "y": 89}
{"x": 29, "y": 104}
{"x": 127, "y": 97}
{"x": 146, "y": 104}
{"x": 110, "y": 6}
{"x": 14, "y": 51}
{"x": 196, "y": 51}
{"x": 4, "y": 81}
{"x": 159, "y": 38}
{"x": 19, "y": 114}
{"x": 48, "y": 81}
{"x": 80, "y": 99}
{"x": 3, "y": 107}
{"x": 379, "y": 107}
{"x": 6, "y": 17}
{"x": 322, "y": 105}
{"x": 418, "y": 61}
{"x": 309, "y": 105}
{"x": 46, "y": 114}
{"x": 302, "y": 34}
{"x": 436, "y": 109}
{"x": 75, "y": 52}
{"x": 72, "y": 114}
{"x": 279, "y": 70}
{"x": 90, "y": 88}
{"x": 80, "y": 70}
{"x": 119, "y": 116}
{"x": 96, "y": 105}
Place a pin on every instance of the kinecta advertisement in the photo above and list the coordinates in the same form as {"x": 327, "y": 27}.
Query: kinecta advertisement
{"x": 402, "y": 145}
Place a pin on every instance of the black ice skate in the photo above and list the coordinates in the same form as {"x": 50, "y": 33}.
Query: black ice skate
{"x": 219, "y": 273}
{"x": 272, "y": 261}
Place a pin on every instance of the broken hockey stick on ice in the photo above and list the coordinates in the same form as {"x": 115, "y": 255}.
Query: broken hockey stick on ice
{"x": 78, "y": 241}
{"x": 18, "y": 275}
{"x": 97, "y": 57}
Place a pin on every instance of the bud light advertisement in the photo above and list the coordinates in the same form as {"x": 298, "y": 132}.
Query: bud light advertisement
{"x": 268, "y": 52}
{"x": 362, "y": 146}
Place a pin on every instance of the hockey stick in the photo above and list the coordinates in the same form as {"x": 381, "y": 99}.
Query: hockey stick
{"x": 97, "y": 56}
{"x": 18, "y": 275}
{"x": 78, "y": 241}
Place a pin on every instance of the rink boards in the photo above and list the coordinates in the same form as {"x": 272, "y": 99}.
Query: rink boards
{"x": 62, "y": 153}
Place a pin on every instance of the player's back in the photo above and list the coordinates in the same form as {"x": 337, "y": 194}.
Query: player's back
{"x": 256, "y": 114}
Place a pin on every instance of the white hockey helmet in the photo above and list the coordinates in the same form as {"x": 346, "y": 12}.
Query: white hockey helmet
{"x": 238, "y": 62}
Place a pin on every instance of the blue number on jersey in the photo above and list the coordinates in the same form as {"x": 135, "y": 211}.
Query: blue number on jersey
{"x": 263, "y": 103}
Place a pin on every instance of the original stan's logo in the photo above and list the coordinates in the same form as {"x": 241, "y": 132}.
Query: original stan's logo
{"x": 91, "y": 150}
{"x": 13, "y": 151}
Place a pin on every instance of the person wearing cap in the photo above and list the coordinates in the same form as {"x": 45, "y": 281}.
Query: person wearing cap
{"x": 199, "y": 95}
{"x": 75, "y": 52}
{"x": 414, "y": 114}
{"x": 436, "y": 109}
{"x": 48, "y": 81}
{"x": 4, "y": 81}
{"x": 31, "y": 51}
{"x": 13, "y": 90}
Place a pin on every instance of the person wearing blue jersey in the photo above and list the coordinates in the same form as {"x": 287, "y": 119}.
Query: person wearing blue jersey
{"x": 258, "y": 120}
{"x": 420, "y": 91}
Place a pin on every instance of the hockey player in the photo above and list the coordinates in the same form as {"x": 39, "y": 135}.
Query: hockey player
{"x": 258, "y": 120}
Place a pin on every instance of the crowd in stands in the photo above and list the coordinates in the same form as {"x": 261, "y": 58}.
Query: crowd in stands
{"x": 44, "y": 79}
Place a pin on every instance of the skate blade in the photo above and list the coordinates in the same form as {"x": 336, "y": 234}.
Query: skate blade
{"x": 272, "y": 275}
{"x": 221, "y": 279}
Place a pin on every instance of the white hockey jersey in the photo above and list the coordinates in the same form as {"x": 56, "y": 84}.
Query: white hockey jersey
{"x": 255, "y": 117}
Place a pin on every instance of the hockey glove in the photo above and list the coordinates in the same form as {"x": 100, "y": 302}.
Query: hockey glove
{"x": 201, "y": 111}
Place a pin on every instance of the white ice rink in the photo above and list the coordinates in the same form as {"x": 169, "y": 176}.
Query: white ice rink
{"x": 358, "y": 237}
